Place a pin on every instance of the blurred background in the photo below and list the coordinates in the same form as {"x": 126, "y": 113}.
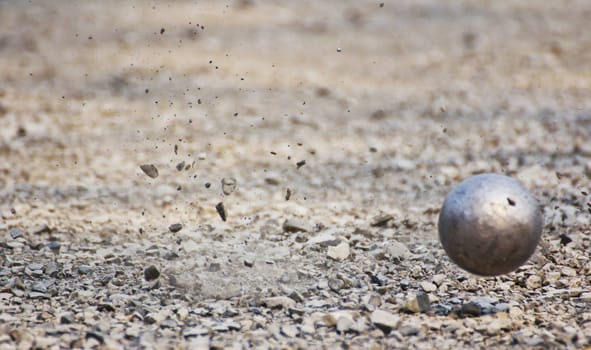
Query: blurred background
{"x": 387, "y": 102}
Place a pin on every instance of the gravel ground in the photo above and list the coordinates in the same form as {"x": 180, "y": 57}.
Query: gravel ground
{"x": 268, "y": 174}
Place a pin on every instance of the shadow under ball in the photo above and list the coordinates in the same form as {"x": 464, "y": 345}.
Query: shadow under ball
{"x": 490, "y": 224}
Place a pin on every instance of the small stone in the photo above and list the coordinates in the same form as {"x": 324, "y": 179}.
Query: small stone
{"x": 498, "y": 324}
{"x": 438, "y": 279}
{"x": 195, "y": 331}
{"x": 54, "y": 246}
{"x": 340, "y": 252}
{"x": 384, "y": 320}
{"x": 180, "y": 166}
{"x": 344, "y": 324}
{"x": 182, "y": 313}
{"x": 378, "y": 279}
{"x": 42, "y": 286}
{"x": 295, "y": 225}
{"x": 300, "y": 164}
{"x": 471, "y": 309}
{"x": 272, "y": 180}
{"x": 297, "y": 296}
{"x": 35, "y": 266}
{"x": 67, "y": 318}
{"x": 308, "y": 327}
{"x": 484, "y": 303}
{"x": 221, "y": 210}
{"x": 105, "y": 307}
{"x": 248, "y": 262}
{"x": 515, "y": 312}
{"x": 552, "y": 276}
{"x": 214, "y": 267}
{"x": 428, "y": 287}
{"x": 335, "y": 284}
{"x": 96, "y": 336}
{"x": 417, "y": 303}
{"x": 533, "y": 282}
{"x": 16, "y": 233}
{"x": 501, "y": 307}
{"x": 324, "y": 239}
{"x": 381, "y": 220}
{"x": 14, "y": 245}
{"x": 174, "y": 228}
{"x": 568, "y": 271}
{"x": 279, "y": 302}
{"x": 150, "y": 170}
{"x": 289, "y": 331}
{"x": 84, "y": 269}
{"x": 228, "y": 185}
{"x": 585, "y": 297}
{"x": 409, "y": 330}
{"x": 397, "y": 251}
{"x": 151, "y": 273}
{"x": 43, "y": 228}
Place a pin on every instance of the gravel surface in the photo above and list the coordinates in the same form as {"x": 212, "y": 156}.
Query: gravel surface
{"x": 268, "y": 174}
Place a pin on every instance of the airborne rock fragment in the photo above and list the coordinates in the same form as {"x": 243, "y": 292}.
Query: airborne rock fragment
{"x": 150, "y": 170}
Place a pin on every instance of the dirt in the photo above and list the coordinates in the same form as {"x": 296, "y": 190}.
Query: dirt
{"x": 302, "y": 151}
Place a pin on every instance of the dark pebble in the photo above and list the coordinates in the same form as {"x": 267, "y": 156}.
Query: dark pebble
{"x": 221, "y": 210}
{"x": 150, "y": 170}
{"x": 175, "y": 228}
{"x": 151, "y": 273}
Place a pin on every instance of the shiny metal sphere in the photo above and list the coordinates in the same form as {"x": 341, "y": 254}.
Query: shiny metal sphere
{"x": 490, "y": 225}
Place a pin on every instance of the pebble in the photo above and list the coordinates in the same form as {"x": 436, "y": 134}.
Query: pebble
{"x": 585, "y": 297}
{"x": 439, "y": 279}
{"x": 471, "y": 309}
{"x": 296, "y": 296}
{"x": 397, "y": 251}
{"x": 533, "y": 282}
{"x": 150, "y": 170}
{"x": 195, "y": 331}
{"x": 568, "y": 271}
{"x": 339, "y": 252}
{"x": 54, "y": 246}
{"x": 67, "y": 318}
{"x": 35, "y": 266}
{"x": 384, "y": 320}
{"x": 14, "y": 245}
{"x": 279, "y": 302}
{"x": 228, "y": 185}
{"x": 417, "y": 303}
{"x": 16, "y": 233}
{"x": 378, "y": 279}
{"x": 344, "y": 324}
{"x": 289, "y": 331}
{"x": 428, "y": 287}
{"x": 84, "y": 269}
{"x": 174, "y": 228}
{"x": 296, "y": 225}
{"x": 336, "y": 284}
{"x": 180, "y": 166}
{"x": 221, "y": 210}
{"x": 151, "y": 273}
{"x": 502, "y": 307}
{"x": 409, "y": 330}
{"x": 43, "y": 228}
{"x": 324, "y": 239}
{"x": 308, "y": 326}
{"x": 381, "y": 220}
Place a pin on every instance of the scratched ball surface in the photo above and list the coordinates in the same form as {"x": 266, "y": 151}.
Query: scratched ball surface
{"x": 490, "y": 224}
